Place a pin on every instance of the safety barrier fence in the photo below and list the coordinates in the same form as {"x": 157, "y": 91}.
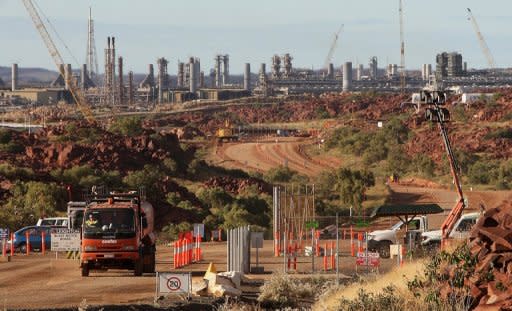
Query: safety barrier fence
{"x": 187, "y": 250}
{"x": 9, "y": 247}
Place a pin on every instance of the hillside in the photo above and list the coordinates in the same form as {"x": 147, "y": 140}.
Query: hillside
{"x": 29, "y": 76}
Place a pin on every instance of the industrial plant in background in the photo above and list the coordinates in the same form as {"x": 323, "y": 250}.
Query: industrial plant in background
{"x": 119, "y": 91}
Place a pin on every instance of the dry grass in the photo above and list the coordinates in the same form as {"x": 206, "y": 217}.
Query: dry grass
{"x": 397, "y": 277}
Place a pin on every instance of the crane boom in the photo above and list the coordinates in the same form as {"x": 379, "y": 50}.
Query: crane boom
{"x": 328, "y": 59}
{"x": 402, "y": 46}
{"x": 456, "y": 211}
{"x": 75, "y": 91}
{"x": 436, "y": 113}
{"x": 481, "y": 40}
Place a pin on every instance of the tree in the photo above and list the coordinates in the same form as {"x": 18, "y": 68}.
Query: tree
{"x": 398, "y": 161}
{"x": 30, "y": 201}
{"x": 352, "y": 185}
{"x": 280, "y": 174}
{"x": 149, "y": 178}
{"x": 423, "y": 164}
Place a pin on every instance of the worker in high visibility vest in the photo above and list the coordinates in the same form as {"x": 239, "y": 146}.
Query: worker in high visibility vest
{"x": 91, "y": 222}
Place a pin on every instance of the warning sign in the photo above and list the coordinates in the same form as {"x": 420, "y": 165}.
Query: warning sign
{"x": 173, "y": 283}
{"x": 63, "y": 240}
{"x": 368, "y": 259}
{"x": 4, "y": 233}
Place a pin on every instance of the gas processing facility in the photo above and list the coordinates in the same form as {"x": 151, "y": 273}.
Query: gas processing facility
{"x": 119, "y": 90}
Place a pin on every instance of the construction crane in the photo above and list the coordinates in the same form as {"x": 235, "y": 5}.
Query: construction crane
{"x": 481, "y": 40}
{"x": 75, "y": 91}
{"x": 332, "y": 49}
{"x": 402, "y": 46}
{"x": 438, "y": 114}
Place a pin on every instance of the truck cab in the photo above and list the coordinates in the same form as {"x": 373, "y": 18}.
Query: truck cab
{"x": 117, "y": 234}
{"x": 381, "y": 240}
{"x": 461, "y": 230}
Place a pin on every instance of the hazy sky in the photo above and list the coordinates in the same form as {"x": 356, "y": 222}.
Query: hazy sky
{"x": 252, "y": 31}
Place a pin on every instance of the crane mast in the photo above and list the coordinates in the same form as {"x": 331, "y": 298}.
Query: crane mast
{"x": 402, "y": 46}
{"x": 328, "y": 59}
{"x": 481, "y": 40}
{"x": 75, "y": 91}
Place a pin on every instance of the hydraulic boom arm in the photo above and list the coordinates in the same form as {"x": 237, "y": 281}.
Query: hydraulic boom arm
{"x": 439, "y": 114}
{"x": 454, "y": 215}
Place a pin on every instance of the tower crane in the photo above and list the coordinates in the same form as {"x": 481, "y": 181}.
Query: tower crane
{"x": 328, "y": 59}
{"x": 75, "y": 91}
{"x": 402, "y": 46}
{"x": 481, "y": 40}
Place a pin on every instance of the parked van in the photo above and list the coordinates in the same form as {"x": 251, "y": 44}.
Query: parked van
{"x": 53, "y": 221}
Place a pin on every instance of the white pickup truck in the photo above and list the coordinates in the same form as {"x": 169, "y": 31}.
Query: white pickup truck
{"x": 461, "y": 229}
{"x": 380, "y": 240}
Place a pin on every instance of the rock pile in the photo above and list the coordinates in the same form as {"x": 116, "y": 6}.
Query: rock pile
{"x": 491, "y": 243}
{"x": 237, "y": 185}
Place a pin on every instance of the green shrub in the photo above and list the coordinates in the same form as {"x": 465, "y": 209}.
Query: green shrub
{"x": 12, "y": 147}
{"x": 280, "y": 174}
{"x": 149, "y": 178}
{"x": 196, "y": 167}
{"x": 16, "y": 173}
{"x": 84, "y": 176}
{"x": 170, "y": 166}
{"x": 5, "y": 136}
{"x": 500, "y": 133}
{"x": 459, "y": 113}
{"x": 388, "y": 299}
{"x": 127, "y": 126}
{"x": 423, "y": 164}
{"x": 483, "y": 172}
{"x": 397, "y": 161}
{"x": 171, "y": 231}
{"x": 30, "y": 201}
{"x": 283, "y": 291}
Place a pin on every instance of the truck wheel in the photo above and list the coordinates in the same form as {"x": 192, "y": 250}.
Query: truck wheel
{"x": 383, "y": 249}
{"x": 139, "y": 267}
{"x": 85, "y": 270}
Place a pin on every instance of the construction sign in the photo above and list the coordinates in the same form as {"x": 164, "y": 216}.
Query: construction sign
{"x": 173, "y": 283}
{"x": 63, "y": 240}
{"x": 368, "y": 259}
{"x": 4, "y": 233}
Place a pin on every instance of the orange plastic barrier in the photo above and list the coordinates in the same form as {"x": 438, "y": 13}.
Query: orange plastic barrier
{"x": 325, "y": 257}
{"x": 43, "y": 244}
{"x": 27, "y": 239}
{"x": 295, "y": 257}
{"x": 175, "y": 257}
{"x": 12, "y": 244}
{"x": 352, "y": 246}
{"x": 332, "y": 256}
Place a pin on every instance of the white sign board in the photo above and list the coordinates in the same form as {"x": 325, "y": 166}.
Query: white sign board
{"x": 63, "y": 240}
{"x": 4, "y": 233}
{"x": 173, "y": 283}
{"x": 257, "y": 239}
{"x": 199, "y": 230}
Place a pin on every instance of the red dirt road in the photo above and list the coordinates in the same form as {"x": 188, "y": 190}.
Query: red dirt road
{"x": 37, "y": 281}
{"x": 267, "y": 154}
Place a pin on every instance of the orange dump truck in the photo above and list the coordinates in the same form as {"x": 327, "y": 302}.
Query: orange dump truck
{"x": 117, "y": 233}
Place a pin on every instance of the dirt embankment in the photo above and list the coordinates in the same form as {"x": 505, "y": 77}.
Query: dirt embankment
{"x": 365, "y": 106}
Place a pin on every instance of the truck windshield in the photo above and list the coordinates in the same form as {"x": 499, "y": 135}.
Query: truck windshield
{"x": 109, "y": 222}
